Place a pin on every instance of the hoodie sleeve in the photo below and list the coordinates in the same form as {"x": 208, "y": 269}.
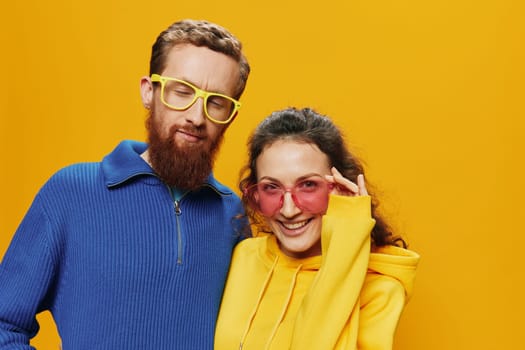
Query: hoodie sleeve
{"x": 382, "y": 301}
{"x": 387, "y": 288}
{"x": 331, "y": 306}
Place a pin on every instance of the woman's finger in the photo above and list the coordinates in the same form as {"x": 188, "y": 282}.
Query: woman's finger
{"x": 343, "y": 185}
{"x": 362, "y": 185}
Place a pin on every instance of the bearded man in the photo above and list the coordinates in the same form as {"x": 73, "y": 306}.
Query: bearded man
{"x": 133, "y": 252}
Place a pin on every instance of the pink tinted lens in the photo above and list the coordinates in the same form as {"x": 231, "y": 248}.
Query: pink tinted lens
{"x": 264, "y": 197}
{"x": 270, "y": 198}
{"x": 312, "y": 195}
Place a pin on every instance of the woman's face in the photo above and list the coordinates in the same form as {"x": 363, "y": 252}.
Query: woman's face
{"x": 288, "y": 164}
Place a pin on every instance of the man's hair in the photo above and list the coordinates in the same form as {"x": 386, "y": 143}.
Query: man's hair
{"x": 199, "y": 33}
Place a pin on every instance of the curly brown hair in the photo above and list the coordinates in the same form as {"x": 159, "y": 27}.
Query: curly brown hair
{"x": 306, "y": 125}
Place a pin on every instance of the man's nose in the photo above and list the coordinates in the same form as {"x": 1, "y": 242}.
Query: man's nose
{"x": 195, "y": 114}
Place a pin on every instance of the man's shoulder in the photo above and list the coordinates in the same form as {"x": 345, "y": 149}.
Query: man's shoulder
{"x": 218, "y": 186}
{"x": 72, "y": 176}
{"x": 76, "y": 171}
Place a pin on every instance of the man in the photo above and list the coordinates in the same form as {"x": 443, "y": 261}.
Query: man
{"x": 133, "y": 252}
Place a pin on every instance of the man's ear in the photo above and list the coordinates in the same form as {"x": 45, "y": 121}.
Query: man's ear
{"x": 146, "y": 92}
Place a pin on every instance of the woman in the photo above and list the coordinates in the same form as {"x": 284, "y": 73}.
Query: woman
{"x": 330, "y": 275}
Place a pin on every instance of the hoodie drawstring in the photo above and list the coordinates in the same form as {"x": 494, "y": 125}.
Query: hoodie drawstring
{"x": 285, "y": 307}
{"x": 259, "y": 298}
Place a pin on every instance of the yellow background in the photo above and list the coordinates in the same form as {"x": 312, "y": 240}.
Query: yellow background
{"x": 429, "y": 93}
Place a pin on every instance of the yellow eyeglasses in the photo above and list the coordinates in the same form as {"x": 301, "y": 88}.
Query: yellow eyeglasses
{"x": 180, "y": 95}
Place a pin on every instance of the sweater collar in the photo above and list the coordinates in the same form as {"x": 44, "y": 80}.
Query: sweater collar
{"x": 124, "y": 163}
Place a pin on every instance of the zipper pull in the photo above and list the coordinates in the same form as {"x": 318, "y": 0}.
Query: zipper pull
{"x": 177, "y": 208}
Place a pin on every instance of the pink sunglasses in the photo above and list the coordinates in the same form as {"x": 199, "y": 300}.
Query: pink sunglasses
{"x": 309, "y": 194}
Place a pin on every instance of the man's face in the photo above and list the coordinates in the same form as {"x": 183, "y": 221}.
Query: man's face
{"x": 182, "y": 144}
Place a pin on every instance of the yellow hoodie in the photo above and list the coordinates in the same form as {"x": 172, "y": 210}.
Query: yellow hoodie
{"x": 348, "y": 298}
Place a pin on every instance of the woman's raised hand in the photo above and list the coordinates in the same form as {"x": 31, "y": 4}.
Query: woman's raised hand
{"x": 345, "y": 187}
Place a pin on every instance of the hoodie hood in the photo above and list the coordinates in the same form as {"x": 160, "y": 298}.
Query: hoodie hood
{"x": 396, "y": 262}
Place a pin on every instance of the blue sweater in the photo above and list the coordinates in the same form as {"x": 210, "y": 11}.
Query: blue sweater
{"x": 117, "y": 261}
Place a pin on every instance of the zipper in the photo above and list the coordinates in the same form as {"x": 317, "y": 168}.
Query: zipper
{"x": 178, "y": 212}
{"x": 176, "y": 204}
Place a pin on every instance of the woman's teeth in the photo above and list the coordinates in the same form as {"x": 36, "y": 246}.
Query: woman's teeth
{"x": 295, "y": 225}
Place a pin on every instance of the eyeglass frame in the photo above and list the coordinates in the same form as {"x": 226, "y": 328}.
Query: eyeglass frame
{"x": 157, "y": 78}
{"x": 249, "y": 193}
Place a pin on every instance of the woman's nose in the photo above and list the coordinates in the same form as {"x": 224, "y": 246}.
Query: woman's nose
{"x": 289, "y": 208}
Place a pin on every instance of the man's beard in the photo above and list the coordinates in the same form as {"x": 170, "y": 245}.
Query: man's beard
{"x": 185, "y": 168}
